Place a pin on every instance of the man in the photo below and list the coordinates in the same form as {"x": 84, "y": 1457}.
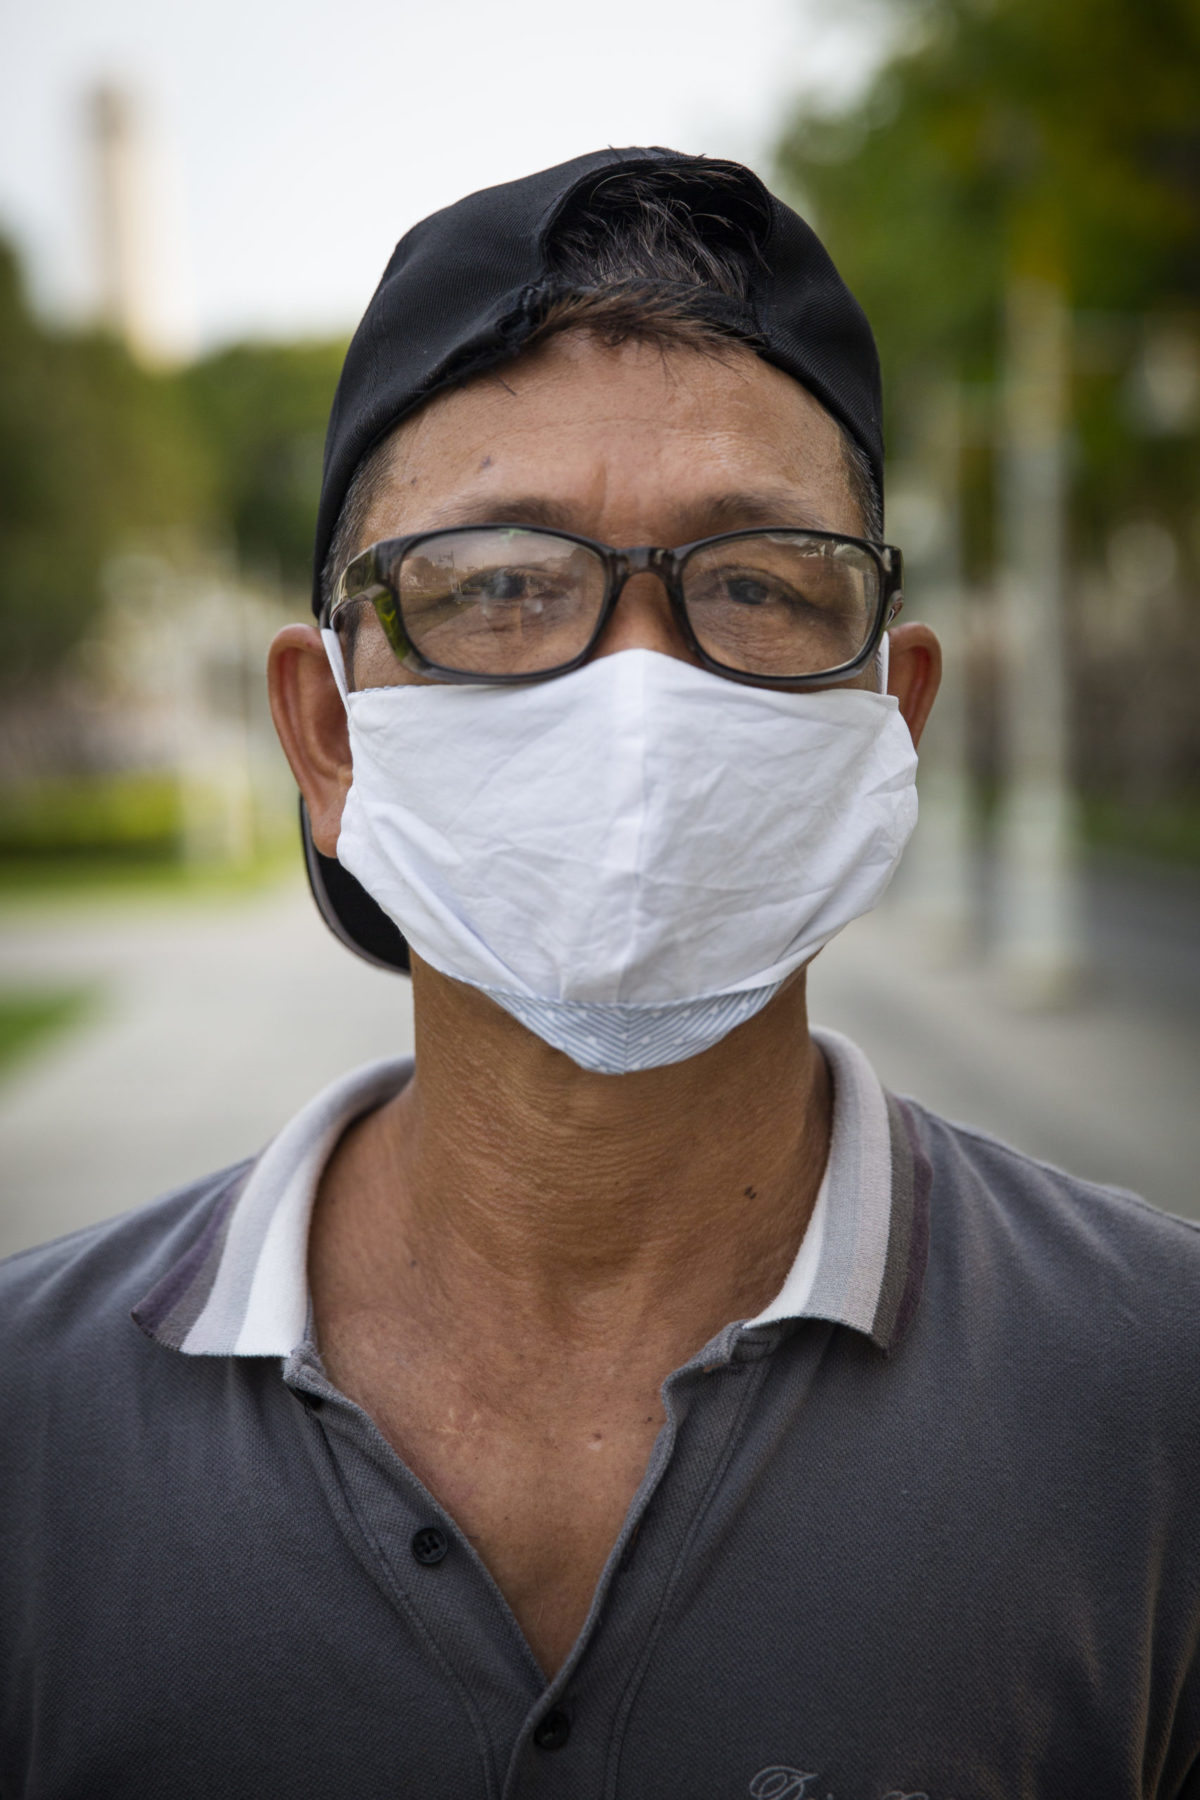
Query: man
{"x": 630, "y": 1398}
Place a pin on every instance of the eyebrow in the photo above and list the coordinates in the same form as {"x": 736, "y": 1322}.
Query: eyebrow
{"x": 701, "y": 517}
{"x": 762, "y": 506}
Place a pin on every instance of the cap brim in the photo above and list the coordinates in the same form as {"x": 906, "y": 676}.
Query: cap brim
{"x": 348, "y": 909}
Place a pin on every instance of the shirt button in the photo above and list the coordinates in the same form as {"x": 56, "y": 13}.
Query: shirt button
{"x": 430, "y": 1545}
{"x": 552, "y": 1732}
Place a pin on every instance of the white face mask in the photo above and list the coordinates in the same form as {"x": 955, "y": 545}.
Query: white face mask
{"x": 632, "y": 858}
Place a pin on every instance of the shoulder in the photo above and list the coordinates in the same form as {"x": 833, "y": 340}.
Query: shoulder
{"x": 68, "y": 1303}
{"x": 1093, "y": 1272}
{"x": 1048, "y": 1202}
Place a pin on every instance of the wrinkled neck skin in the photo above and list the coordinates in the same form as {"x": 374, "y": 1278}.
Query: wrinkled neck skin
{"x": 508, "y": 1193}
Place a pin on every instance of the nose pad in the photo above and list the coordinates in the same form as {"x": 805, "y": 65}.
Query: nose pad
{"x": 642, "y": 620}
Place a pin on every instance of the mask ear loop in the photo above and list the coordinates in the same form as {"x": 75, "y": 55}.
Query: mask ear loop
{"x": 883, "y": 657}
{"x": 333, "y": 651}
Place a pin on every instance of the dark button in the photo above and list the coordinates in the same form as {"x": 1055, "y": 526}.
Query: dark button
{"x": 552, "y": 1732}
{"x": 430, "y": 1545}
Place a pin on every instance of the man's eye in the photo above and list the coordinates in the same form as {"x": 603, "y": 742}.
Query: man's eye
{"x": 499, "y": 584}
{"x": 508, "y": 586}
{"x": 749, "y": 590}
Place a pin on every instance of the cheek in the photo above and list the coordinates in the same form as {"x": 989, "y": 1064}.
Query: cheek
{"x": 370, "y": 661}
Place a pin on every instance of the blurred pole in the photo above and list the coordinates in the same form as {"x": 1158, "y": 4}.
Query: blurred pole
{"x": 1039, "y": 941}
{"x": 137, "y": 226}
{"x": 937, "y": 873}
{"x": 118, "y": 155}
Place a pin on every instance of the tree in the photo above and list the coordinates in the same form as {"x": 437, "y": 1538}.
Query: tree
{"x": 93, "y": 450}
{"x": 261, "y": 411}
{"x": 1015, "y": 141}
{"x": 98, "y": 455}
{"x": 1064, "y": 138}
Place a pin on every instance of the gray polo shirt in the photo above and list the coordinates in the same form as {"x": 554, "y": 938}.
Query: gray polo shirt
{"x": 924, "y": 1528}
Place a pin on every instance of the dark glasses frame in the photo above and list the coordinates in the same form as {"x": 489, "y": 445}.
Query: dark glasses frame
{"x": 364, "y": 578}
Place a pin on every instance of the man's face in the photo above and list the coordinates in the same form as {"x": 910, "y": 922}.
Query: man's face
{"x": 628, "y": 445}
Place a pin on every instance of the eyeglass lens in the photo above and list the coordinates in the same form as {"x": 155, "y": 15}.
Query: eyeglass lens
{"x": 511, "y": 602}
{"x": 780, "y": 603}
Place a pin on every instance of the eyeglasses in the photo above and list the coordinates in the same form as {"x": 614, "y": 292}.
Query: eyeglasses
{"x": 503, "y": 604}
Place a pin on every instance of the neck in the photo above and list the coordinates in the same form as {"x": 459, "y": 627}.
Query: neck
{"x": 506, "y": 1176}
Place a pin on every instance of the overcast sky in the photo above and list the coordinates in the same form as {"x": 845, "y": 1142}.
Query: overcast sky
{"x": 293, "y": 141}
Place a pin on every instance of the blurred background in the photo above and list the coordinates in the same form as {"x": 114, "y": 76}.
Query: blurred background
{"x": 195, "y": 204}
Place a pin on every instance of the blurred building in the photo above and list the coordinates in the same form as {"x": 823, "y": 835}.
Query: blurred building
{"x": 178, "y": 686}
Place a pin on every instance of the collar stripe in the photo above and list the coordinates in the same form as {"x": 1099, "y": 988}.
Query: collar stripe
{"x": 854, "y": 1259}
{"x": 172, "y": 1306}
{"x": 241, "y": 1289}
{"x": 908, "y": 1247}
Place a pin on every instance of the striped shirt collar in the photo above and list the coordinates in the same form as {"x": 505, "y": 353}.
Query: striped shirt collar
{"x": 242, "y": 1287}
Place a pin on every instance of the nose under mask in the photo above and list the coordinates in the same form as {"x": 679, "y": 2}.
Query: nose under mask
{"x": 630, "y": 859}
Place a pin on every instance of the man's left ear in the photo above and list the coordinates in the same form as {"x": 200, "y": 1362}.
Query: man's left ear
{"x": 914, "y": 673}
{"x": 311, "y": 721}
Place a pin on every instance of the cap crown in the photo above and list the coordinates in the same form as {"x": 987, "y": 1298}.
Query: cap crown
{"x": 465, "y": 288}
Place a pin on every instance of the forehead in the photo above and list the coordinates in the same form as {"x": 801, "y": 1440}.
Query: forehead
{"x": 632, "y": 443}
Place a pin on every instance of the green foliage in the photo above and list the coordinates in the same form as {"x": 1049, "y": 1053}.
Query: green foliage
{"x": 28, "y": 1017}
{"x": 1057, "y": 140}
{"x": 1062, "y": 139}
{"x": 135, "y": 816}
{"x": 261, "y": 412}
{"x": 117, "y": 834}
{"x": 93, "y": 450}
{"x": 1168, "y": 831}
{"x": 98, "y": 454}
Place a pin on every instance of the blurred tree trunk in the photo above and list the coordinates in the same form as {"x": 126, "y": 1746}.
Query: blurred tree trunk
{"x": 1038, "y": 914}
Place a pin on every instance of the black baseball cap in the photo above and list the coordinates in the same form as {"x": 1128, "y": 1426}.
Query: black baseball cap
{"x": 464, "y": 290}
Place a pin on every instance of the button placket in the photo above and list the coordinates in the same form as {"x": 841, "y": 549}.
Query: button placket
{"x": 432, "y": 1576}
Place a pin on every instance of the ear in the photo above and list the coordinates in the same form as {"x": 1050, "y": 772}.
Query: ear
{"x": 914, "y": 673}
{"x": 311, "y": 722}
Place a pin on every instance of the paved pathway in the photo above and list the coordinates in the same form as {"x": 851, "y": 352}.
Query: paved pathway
{"x": 1106, "y": 1088}
{"x": 216, "y": 1022}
